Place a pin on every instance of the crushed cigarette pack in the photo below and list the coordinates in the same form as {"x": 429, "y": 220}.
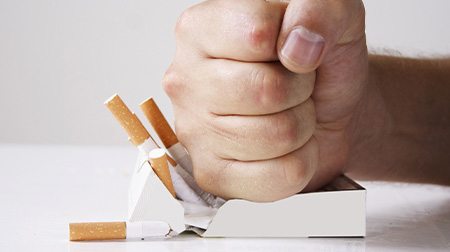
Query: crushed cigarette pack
{"x": 338, "y": 210}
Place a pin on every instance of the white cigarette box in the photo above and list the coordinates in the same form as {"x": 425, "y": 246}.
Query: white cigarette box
{"x": 338, "y": 210}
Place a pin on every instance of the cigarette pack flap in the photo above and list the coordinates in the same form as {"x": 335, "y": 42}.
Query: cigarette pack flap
{"x": 338, "y": 210}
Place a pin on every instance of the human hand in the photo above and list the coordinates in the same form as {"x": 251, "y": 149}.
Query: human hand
{"x": 264, "y": 92}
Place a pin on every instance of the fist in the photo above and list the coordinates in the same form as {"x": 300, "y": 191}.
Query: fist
{"x": 264, "y": 92}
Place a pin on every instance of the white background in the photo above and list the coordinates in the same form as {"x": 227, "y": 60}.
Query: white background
{"x": 59, "y": 60}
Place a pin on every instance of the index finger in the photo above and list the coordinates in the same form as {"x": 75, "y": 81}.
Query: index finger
{"x": 233, "y": 29}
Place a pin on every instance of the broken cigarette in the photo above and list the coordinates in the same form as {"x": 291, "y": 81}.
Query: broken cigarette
{"x": 136, "y": 131}
{"x": 185, "y": 192}
{"x": 176, "y": 149}
{"x": 158, "y": 161}
{"x": 141, "y": 138}
{"x": 128, "y": 120}
{"x": 166, "y": 134}
{"x": 117, "y": 230}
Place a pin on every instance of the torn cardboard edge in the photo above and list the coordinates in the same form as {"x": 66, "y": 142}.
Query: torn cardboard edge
{"x": 338, "y": 210}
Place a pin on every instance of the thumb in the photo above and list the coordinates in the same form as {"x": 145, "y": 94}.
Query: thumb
{"x": 310, "y": 29}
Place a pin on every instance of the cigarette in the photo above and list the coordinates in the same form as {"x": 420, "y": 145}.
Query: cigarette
{"x": 176, "y": 150}
{"x": 117, "y": 230}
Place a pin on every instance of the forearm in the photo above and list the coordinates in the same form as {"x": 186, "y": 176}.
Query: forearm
{"x": 402, "y": 129}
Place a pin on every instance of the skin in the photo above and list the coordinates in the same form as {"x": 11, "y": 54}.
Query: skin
{"x": 261, "y": 123}
{"x": 401, "y": 131}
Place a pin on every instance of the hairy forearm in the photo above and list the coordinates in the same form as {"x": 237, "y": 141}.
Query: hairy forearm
{"x": 402, "y": 129}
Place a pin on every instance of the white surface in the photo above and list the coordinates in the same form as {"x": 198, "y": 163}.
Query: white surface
{"x": 141, "y": 230}
{"x": 43, "y": 188}
{"x": 59, "y": 60}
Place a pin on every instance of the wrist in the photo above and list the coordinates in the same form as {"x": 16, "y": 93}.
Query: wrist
{"x": 400, "y": 130}
{"x": 369, "y": 125}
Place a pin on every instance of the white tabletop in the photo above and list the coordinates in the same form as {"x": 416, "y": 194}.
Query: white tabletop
{"x": 43, "y": 188}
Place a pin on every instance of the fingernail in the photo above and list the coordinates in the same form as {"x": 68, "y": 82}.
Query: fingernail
{"x": 303, "y": 47}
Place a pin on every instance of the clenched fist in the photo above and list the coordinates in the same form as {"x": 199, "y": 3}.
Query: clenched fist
{"x": 264, "y": 92}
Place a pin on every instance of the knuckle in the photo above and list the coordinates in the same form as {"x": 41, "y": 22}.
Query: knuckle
{"x": 301, "y": 166}
{"x": 295, "y": 172}
{"x": 172, "y": 83}
{"x": 262, "y": 35}
{"x": 270, "y": 89}
{"x": 301, "y": 128}
{"x": 286, "y": 131}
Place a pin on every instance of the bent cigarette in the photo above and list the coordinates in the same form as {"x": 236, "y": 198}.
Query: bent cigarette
{"x": 117, "y": 230}
{"x": 158, "y": 161}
